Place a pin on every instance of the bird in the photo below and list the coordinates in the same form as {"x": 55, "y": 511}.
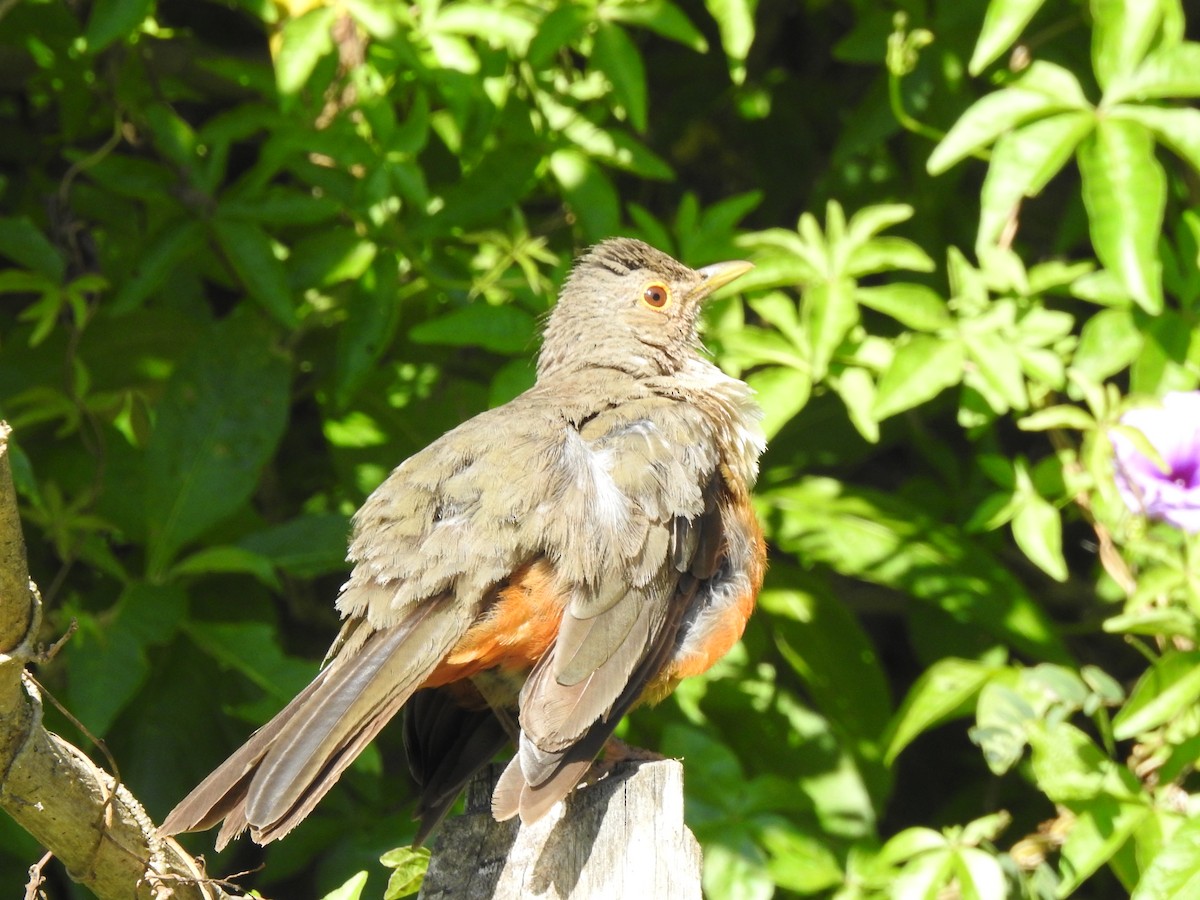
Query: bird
{"x": 536, "y": 572}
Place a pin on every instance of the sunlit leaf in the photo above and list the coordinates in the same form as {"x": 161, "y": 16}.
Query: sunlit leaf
{"x": 943, "y": 691}
{"x": 302, "y": 43}
{"x": 782, "y": 392}
{"x": 408, "y": 865}
{"x": 1121, "y": 34}
{"x": 618, "y": 57}
{"x": 828, "y": 312}
{"x": 660, "y": 16}
{"x": 1177, "y": 128}
{"x": 351, "y": 890}
{"x": 1046, "y": 89}
{"x": 1022, "y": 163}
{"x": 912, "y": 305}
{"x": 1171, "y": 71}
{"x": 1169, "y": 687}
{"x": 1124, "y": 190}
{"x": 1002, "y": 25}
{"x": 1174, "y": 873}
{"x": 922, "y": 368}
{"x": 735, "y": 21}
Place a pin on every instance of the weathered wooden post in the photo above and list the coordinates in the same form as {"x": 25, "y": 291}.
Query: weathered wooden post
{"x": 623, "y": 836}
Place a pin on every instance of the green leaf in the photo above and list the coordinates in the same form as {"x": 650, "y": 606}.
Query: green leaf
{"x": 1002, "y": 25}
{"x": 1046, "y": 89}
{"x": 107, "y": 664}
{"x": 911, "y": 843}
{"x": 884, "y": 254}
{"x": 562, "y": 26}
{"x": 303, "y": 41}
{"x": 372, "y": 317}
{"x": 980, "y": 875}
{"x": 737, "y": 876}
{"x": 925, "y": 876}
{"x": 501, "y": 329}
{"x": 1121, "y": 34}
{"x": 1002, "y": 718}
{"x": 1170, "y": 72}
{"x": 1101, "y": 828}
{"x": 735, "y": 22}
{"x": 1124, "y": 190}
{"x": 659, "y": 16}
{"x": 857, "y": 390}
{"x": 351, "y": 890}
{"x": 884, "y": 540}
{"x": 219, "y": 421}
{"x": 1067, "y": 764}
{"x": 1165, "y": 622}
{"x": 1022, "y": 163}
{"x": 1037, "y": 529}
{"x": 619, "y": 59}
{"x": 1174, "y": 872}
{"x": 329, "y": 257}
{"x": 944, "y": 691}
{"x": 828, "y": 313}
{"x": 114, "y": 19}
{"x": 1176, "y": 128}
{"x": 171, "y": 243}
{"x": 249, "y": 251}
{"x": 1169, "y": 688}
{"x": 999, "y": 369}
{"x": 912, "y": 305}
{"x": 782, "y": 392}
{"x": 1109, "y": 342}
{"x": 107, "y": 667}
{"x": 252, "y": 649}
{"x": 24, "y": 244}
{"x": 490, "y": 22}
{"x": 226, "y": 559}
{"x": 801, "y": 862}
{"x": 922, "y": 368}
{"x": 281, "y": 206}
{"x": 588, "y": 192}
{"x": 307, "y": 546}
{"x": 824, "y": 644}
{"x": 871, "y": 220}
{"x": 497, "y": 183}
{"x": 1057, "y": 417}
{"x": 408, "y": 865}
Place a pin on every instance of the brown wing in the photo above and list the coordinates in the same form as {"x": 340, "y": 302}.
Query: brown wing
{"x": 431, "y": 545}
{"x": 620, "y": 624}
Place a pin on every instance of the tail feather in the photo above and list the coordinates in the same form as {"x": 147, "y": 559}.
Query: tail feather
{"x": 288, "y": 765}
{"x": 224, "y": 791}
{"x": 446, "y": 744}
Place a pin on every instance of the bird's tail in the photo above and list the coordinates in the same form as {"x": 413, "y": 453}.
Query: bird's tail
{"x": 273, "y": 782}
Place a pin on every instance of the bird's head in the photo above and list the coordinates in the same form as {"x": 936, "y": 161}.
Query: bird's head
{"x": 628, "y": 306}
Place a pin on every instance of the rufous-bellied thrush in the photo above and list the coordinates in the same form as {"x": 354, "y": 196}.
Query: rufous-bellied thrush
{"x": 537, "y": 571}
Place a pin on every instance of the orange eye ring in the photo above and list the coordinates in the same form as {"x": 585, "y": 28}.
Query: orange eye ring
{"x": 656, "y": 295}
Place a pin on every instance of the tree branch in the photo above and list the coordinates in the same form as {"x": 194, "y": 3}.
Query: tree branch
{"x": 94, "y": 825}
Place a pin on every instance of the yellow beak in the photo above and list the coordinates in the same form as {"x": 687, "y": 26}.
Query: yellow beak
{"x": 720, "y": 274}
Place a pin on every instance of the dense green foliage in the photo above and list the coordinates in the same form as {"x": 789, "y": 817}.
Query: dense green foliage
{"x": 255, "y": 255}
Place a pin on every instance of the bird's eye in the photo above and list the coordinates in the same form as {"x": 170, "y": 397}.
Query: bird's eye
{"x": 656, "y": 295}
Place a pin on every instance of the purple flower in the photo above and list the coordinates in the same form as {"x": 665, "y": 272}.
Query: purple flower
{"x": 1173, "y": 429}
